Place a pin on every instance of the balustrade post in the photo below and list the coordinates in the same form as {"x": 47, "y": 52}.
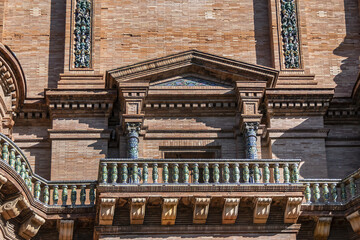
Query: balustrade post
{"x": 246, "y": 173}
{"x": 12, "y": 158}
{"x": 104, "y": 173}
{"x": 133, "y": 130}
{"x": 286, "y": 173}
{"x": 352, "y": 187}
{"x": 307, "y": 193}
{"x": 343, "y": 192}
{"x": 206, "y": 173}
{"x": 333, "y": 191}
{"x": 186, "y": 173}
{"x": 175, "y": 173}
{"x": 216, "y": 173}
{"x": 165, "y": 173}
{"x": 276, "y": 173}
{"x": 226, "y": 173}
{"x": 64, "y": 195}
{"x": 46, "y": 195}
{"x": 124, "y": 173}
{"x": 5, "y": 152}
{"x": 92, "y": 194}
{"x": 145, "y": 173}
{"x": 18, "y": 164}
{"x": 266, "y": 173}
{"x": 316, "y": 191}
{"x": 325, "y": 192}
{"x": 37, "y": 190}
{"x": 56, "y": 194}
{"x": 23, "y": 170}
{"x": 135, "y": 173}
{"x": 83, "y": 194}
{"x": 155, "y": 174}
{"x": 257, "y": 174}
{"x": 73, "y": 195}
{"x": 236, "y": 172}
{"x": 114, "y": 173}
{"x": 195, "y": 173}
{"x": 295, "y": 173}
{"x": 250, "y": 139}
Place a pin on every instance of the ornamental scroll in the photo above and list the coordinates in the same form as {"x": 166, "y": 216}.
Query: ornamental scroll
{"x": 82, "y": 34}
{"x": 290, "y": 34}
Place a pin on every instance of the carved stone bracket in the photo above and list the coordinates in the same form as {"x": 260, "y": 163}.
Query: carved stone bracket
{"x": 107, "y": 210}
{"x": 137, "y": 211}
{"x": 354, "y": 220}
{"x": 13, "y": 208}
{"x": 31, "y": 226}
{"x": 169, "y": 210}
{"x": 261, "y": 210}
{"x": 201, "y": 210}
{"x": 66, "y": 229}
{"x": 3, "y": 180}
{"x": 292, "y": 211}
{"x": 322, "y": 229}
{"x": 230, "y": 211}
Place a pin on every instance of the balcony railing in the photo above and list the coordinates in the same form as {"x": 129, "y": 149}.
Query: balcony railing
{"x": 48, "y": 192}
{"x": 198, "y": 171}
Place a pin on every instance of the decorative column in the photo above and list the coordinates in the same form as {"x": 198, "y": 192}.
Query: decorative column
{"x": 133, "y": 130}
{"x": 250, "y": 139}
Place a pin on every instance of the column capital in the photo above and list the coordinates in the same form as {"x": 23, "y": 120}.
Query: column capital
{"x": 132, "y": 127}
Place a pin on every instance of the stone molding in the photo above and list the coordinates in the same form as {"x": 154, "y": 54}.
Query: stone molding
{"x": 107, "y": 210}
{"x": 137, "y": 210}
{"x": 31, "y": 226}
{"x": 261, "y": 210}
{"x": 169, "y": 211}
{"x": 201, "y": 210}
{"x": 230, "y": 211}
{"x": 322, "y": 229}
{"x": 13, "y": 208}
{"x": 292, "y": 210}
{"x": 3, "y": 180}
{"x": 354, "y": 220}
{"x": 66, "y": 229}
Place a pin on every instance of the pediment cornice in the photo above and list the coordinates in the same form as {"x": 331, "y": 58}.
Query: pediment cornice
{"x": 193, "y": 61}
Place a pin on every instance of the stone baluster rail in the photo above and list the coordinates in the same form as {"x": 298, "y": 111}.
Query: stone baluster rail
{"x": 198, "y": 171}
{"x": 75, "y": 193}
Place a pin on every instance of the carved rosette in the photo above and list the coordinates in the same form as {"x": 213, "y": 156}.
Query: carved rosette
{"x": 13, "y": 208}
{"x": 292, "y": 210}
{"x": 201, "y": 210}
{"x": 133, "y": 130}
{"x": 137, "y": 211}
{"x": 250, "y": 137}
{"x": 261, "y": 210}
{"x": 169, "y": 210}
{"x": 31, "y": 226}
{"x": 107, "y": 210}
{"x": 230, "y": 211}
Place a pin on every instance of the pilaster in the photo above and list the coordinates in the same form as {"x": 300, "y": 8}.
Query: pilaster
{"x": 66, "y": 229}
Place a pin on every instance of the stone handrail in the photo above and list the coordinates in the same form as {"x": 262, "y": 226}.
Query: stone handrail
{"x": 198, "y": 171}
{"x": 332, "y": 191}
{"x": 47, "y": 192}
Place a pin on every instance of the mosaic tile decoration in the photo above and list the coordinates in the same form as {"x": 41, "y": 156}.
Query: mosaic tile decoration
{"x": 189, "y": 82}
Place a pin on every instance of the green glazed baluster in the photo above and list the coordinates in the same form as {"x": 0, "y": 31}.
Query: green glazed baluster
{"x": 316, "y": 192}
{"x": 216, "y": 173}
{"x": 5, "y": 152}
{"x": 325, "y": 192}
{"x": 46, "y": 194}
{"x": 307, "y": 193}
{"x": 155, "y": 173}
{"x": 276, "y": 173}
{"x": 92, "y": 194}
{"x": 236, "y": 172}
{"x": 196, "y": 173}
{"x": 27, "y": 179}
{"x": 175, "y": 173}
{"x": 256, "y": 173}
{"x": 23, "y": 170}
{"x": 104, "y": 173}
{"x": 186, "y": 172}
{"x": 135, "y": 173}
{"x": 37, "y": 190}
{"x": 333, "y": 191}
{"x": 114, "y": 173}
{"x": 206, "y": 173}
{"x": 286, "y": 173}
{"x": 18, "y": 164}
{"x": 266, "y": 173}
{"x": 64, "y": 195}
{"x": 1, "y": 150}
{"x": 145, "y": 173}
{"x": 246, "y": 173}
{"x": 295, "y": 173}
{"x": 226, "y": 173}
{"x": 352, "y": 187}
{"x": 343, "y": 192}
{"x": 12, "y": 158}
{"x": 73, "y": 195}
{"x": 83, "y": 194}
{"x": 124, "y": 173}
{"x": 166, "y": 173}
{"x": 56, "y": 194}
{"x": 30, "y": 183}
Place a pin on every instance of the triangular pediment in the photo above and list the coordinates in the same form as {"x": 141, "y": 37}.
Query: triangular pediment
{"x": 224, "y": 70}
{"x": 188, "y": 81}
